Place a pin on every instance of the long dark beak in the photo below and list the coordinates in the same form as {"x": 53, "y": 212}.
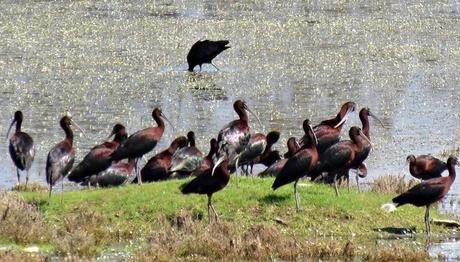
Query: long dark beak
{"x": 79, "y": 128}
{"x": 167, "y": 120}
{"x": 376, "y": 118}
{"x": 9, "y": 129}
{"x": 345, "y": 117}
{"x": 252, "y": 113}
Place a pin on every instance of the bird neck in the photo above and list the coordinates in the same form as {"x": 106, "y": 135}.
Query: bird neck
{"x": 120, "y": 138}
{"x": 18, "y": 125}
{"x": 452, "y": 173}
{"x": 68, "y": 133}
{"x": 212, "y": 151}
{"x": 191, "y": 141}
{"x": 159, "y": 121}
{"x": 242, "y": 114}
{"x": 365, "y": 121}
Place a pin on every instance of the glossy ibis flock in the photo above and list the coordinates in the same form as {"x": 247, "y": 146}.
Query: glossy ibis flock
{"x": 319, "y": 155}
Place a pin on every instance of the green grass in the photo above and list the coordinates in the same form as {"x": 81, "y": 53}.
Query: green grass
{"x": 98, "y": 219}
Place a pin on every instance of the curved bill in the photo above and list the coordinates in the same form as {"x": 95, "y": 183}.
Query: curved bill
{"x": 314, "y": 135}
{"x": 167, "y": 120}
{"x": 217, "y": 164}
{"x": 365, "y": 137}
{"x": 77, "y": 126}
{"x": 345, "y": 117}
{"x": 258, "y": 120}
{"x": 9, "y": 129}
{"x": 376, "y": 118}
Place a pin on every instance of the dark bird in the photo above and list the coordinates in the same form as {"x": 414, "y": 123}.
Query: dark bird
{"x": 22, "y": 150}
{"x": 300, "y": 164}
{"x": 157, "y": 167}
{"x": 208, "y": 184}
{"x": 98, "y": 158}
{"x": 426, "y": 193}
{"x": 292, "y": 146}
{"x": 339, "y": 158}
{"x": 269, "y": 156}
{"x": 208, "y": 161}
{"x": 141, "y": 142}
{"x": 187, "y": 159}
{"x": 61, "y": 157}
{"x": 204, "y": 51}
{"x": 233, "y": 137}
{"x": 425, "y": 167}
{"x": 361, "y": 168}
{"x": 275, "y": 168}
{"x": 119, "y": 173}
{"x": 328, "y": 131}
{"x": 258, "y": 146}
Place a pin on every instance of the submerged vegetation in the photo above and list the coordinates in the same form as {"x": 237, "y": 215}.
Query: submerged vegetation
{"x": 157, "y": 221}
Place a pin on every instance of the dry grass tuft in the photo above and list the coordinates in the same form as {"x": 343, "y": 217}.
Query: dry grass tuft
{"x": 82, "y": 233}
{"x": 30, "y": 187}
{"x": 21, "y": 222}
{"x": 13, "y": 256}
{"x": 392, "y": 184}
{"x": 397, "y": 254}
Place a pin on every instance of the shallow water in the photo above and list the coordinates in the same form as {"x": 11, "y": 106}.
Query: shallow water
{"x": 114, "y": 62}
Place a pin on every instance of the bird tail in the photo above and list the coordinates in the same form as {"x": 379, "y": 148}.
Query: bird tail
{"x": 388, "y": 207}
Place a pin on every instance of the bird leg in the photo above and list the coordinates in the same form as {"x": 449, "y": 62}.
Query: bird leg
{"x": 27, "y": 177}
{"x": 335, "y": 185}
{"x": 139, "y": 179}
{"x": 347, "y": 177}
{"x": 49, "y": 196}
{"x": 215, "y": 66}
{"x": 296, "y": 196}
{"x": 237, "y": 174}
{"x": 19, "y": 177}
{"x": 427, "y": 220}
{"x": 357, "y": 182}
{"x": 209, "y": 209}
{"x": 62, "y": 191}
{"x": 216, "y": 217}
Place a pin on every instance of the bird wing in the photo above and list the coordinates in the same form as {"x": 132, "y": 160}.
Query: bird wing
{"x": 186, "y": 159}
{"x": 136, "y": 145}
{"x": 422, "y": 194}
{"x": 59, "y": 162}
{"x": 337, "y": 156}
{"x": 295, "y": 168}
{"x": 22, "y": 150}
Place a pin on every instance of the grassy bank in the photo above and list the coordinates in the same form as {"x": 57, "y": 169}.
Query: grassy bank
{"x": 156, "y": 220}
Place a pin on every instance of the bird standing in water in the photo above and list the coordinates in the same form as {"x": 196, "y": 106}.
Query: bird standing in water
{"x": 22, "y": 150}
{"x": 204, "y": 51}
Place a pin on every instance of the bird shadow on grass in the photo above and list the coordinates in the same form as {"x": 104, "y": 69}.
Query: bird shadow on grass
{"x": 273, "y": 199}
{"x": 397, "y": 230}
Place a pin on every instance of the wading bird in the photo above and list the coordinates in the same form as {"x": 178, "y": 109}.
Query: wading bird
{"x": 22, "y": 150}
{"x": 141, "y": 142}
{"x": 204, "y": 51}
{"x": 117, "y": 174}
{"x": 61, "y": 157}
{"x": 346, "y": 154}
{"x": 208, "y": 161}
{"x": 233, "y": 137}
{"x": 426, "y": 193}
{"x": 157, "y": 167}
{"x": 187, "y": 159}
{"x": 209, "y": 183}
{"x": 328, "y": 131}
{"x": 276, "y": 167}
{"x": 258, "y": 145}
{"x": 299, "y": 165}
{"x": 425, "y": 167}
{"x": 98, "y": 158}
{"x": 361, "y": 169}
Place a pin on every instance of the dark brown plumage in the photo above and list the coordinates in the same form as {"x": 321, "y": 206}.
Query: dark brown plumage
{"x": 299, "y": 165}
{"x": 429, "y": 191}
{"x": 208, "y": 184}
{"x": 425, "y": 167}
{"x": 204, "y": 51}
{"x": 22, "y": 149}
